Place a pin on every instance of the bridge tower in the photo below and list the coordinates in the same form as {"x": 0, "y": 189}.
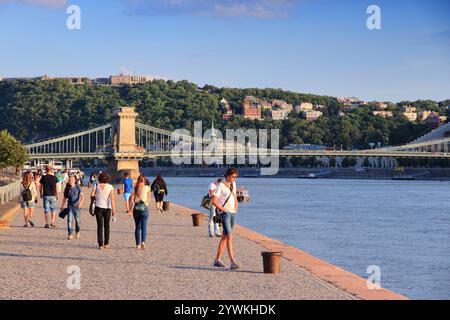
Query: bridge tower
{"x": 123, "y": 131}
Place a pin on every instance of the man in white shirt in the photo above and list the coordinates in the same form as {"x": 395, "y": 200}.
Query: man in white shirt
{"x": 225, "y": 200}
{"x": 213, "y": 228}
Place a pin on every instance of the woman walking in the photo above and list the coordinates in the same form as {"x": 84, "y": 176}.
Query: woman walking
{"x": 140, "y": 200}
{"x": 28, "y": 196}
{"x": 159, "y": 188}
{"x": 226, "y": 202}
{"x": 103, "y": 195}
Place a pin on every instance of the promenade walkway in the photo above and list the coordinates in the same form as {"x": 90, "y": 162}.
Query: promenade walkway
{"x": 176, "y": 265}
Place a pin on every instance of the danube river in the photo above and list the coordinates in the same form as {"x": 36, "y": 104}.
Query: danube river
{"x": 401, "y": 226}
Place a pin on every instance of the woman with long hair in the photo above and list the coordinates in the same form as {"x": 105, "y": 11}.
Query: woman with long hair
{"x": 159, "y": 188}
{"x": 28, "y": 196}
{"x": 139, "y": 201}
{"x": 103, "y": 195}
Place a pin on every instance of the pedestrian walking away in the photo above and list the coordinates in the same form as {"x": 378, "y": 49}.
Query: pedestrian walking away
{"x": 50, "y": 196}
{"x": 226, "y": 202}
{"x": 73, "y": 195}
{"x": 140, "y": 199}
{"x": 103, "y": 197}
{"x": 159, "y": 188}
{"x": 28, "y": 198}
{"x": 127, "y": 189}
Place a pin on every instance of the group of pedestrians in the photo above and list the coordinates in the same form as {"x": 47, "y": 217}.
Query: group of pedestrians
{"x": 224, "y": 205}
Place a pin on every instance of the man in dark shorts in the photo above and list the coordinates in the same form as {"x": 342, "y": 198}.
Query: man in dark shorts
{"x": 50, "y": 196}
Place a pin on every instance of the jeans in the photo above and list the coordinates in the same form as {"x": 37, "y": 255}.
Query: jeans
{"x": 228, "y": 222}
{"x": 141, "y": 220}
{"x": 213, "y": 228}
{"x": 103, "y": 218}
{"x": 50, "y": 204}
{"x": 73, "y": 213}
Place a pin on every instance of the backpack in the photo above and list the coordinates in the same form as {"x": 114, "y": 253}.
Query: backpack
{"x": 27, "y": 196}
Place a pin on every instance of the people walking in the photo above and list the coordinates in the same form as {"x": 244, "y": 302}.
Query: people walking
{"x": 127, "y": 189}
{"x": 140, "y": 199}
{"x": 159, "y": 188}
{"x": 73, "y": 195}
{"x": 28, "y": 196}
{"x": 226, "y": 202}
{"x": 213, "y": 227}
{"x": 103, "y": 195}
{"x": 50, "y": 197}
{"x": 60, "y": 177}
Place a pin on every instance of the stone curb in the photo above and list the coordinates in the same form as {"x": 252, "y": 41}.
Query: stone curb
{"x": 338, "y": 277}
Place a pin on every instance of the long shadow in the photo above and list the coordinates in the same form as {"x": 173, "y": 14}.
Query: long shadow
{"x": 17, "y": 255}
{"x": 214, "y": 269}
{"x": 48, "y": 245}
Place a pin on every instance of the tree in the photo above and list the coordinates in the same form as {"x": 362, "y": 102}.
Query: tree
{"x": 12, "y": 153}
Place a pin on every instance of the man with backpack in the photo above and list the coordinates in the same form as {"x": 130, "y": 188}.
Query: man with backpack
{"x": 74, "y": 196}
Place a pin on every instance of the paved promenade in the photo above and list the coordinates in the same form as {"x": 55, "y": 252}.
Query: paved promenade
{"x": 176, "y": 265}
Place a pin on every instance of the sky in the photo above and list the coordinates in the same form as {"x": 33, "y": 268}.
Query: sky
{"x": 309, "y": 46}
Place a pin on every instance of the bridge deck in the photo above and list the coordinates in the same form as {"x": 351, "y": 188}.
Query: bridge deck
{"x": 176, "y": 265}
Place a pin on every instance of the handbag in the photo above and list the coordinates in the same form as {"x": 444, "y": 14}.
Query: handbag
{"x": 206, "y": 202}
{"x": 140, "y": 207}
{"x": 64, "y": 213}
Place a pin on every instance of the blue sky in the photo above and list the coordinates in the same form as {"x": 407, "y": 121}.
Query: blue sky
{"x": 310, "y": 46}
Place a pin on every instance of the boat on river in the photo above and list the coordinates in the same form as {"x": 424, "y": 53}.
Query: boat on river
{"x": 242, "y": 195}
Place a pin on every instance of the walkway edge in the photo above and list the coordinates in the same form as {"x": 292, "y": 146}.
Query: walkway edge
{"x": 338, "y": 277}
{"x": 8, "y": 215}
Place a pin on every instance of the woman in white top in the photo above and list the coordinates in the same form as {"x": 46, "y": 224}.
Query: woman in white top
{"x": 226, "y": 202}
{"x": 28, "y": 197}
{"x": 103, "y": 195}
{"x": 139, "y": 201}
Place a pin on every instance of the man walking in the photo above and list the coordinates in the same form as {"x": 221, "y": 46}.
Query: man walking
{"x": 213, "y": 228}
{"x": 73, "y": 194}
{"x": 50, "y": 196}
{"x": 127, "y": 188}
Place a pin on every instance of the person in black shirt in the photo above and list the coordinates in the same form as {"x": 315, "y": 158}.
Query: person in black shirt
{"x": 50, "y": 196}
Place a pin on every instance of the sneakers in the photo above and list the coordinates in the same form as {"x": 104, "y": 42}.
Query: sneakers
{"x": 70, "y": 237}
{"x": 138, "y": 247}
{"x": 143, "y": 246}
{"x": 53, "y": 226}
{"x": 77, "y": 236}
{"x": 47, "y": 226}
{"x": 25, "y": 225}
{"x": 218, "y": 263}
{"x": 31, "y": 223}
{"x": 234, "y": 266}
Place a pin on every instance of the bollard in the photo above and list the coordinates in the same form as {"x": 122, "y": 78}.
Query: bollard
{"x": 166, "y": 205}
{"x": 272, "y": 262}
{"x": 197, "y": 219}
{"x": 4, "y": 224}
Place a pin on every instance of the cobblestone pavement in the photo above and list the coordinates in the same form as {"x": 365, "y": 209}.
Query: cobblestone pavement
{"x": 177, "y": 264}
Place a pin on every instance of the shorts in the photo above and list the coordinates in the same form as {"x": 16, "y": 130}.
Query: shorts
{"x": 27, "y": 204}
{"x": 127, "y": 196}
{"x": 50, "y": 204}
{"x": 159, "y": 196}
{"x": 228, "y": 222}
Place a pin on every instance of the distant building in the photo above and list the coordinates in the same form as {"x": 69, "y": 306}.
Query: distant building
{"x": 433, "y": 120}
{"x": 312, "y": 115}
{"x": 305, "y": 106}
{"x": 252, "y": 108}
{"x": 381, "y": 105}
{"x": 424, "y": 114}
{"x": 279, "y": 114}
{"x": 383, "y": 113}
{"x": 228, "y": 112}
{"x": 122, "y": 79}
{"x": 409, "y": 109}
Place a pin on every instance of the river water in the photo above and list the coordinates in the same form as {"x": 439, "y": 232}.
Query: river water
{"x": 403, "y": 227}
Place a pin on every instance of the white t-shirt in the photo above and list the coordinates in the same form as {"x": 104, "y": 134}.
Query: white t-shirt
{"x": 143, "y": 195}
{"x": 222, "y": 193}
{"x": 102, "y": 198}
{"x": 212, "y": 187}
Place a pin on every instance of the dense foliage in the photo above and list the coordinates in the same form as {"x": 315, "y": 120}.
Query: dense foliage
{"x": 34, "y": 110}
{"x": 12, "y": 153}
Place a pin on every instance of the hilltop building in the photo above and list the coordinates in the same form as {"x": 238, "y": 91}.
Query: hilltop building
{"x": 228, "y": 112}
{"x": 383, "y": 113}
{"x": 312, "y": 115}
{"x": 252, "y": 108}
{"x": 305, "y": 106}
{"x": 122, "y": 79}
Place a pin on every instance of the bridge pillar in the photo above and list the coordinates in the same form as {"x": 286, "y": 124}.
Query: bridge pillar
{"x": 123, "y": 131}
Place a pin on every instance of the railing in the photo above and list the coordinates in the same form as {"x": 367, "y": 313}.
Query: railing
{"x": 9, "y": 192}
